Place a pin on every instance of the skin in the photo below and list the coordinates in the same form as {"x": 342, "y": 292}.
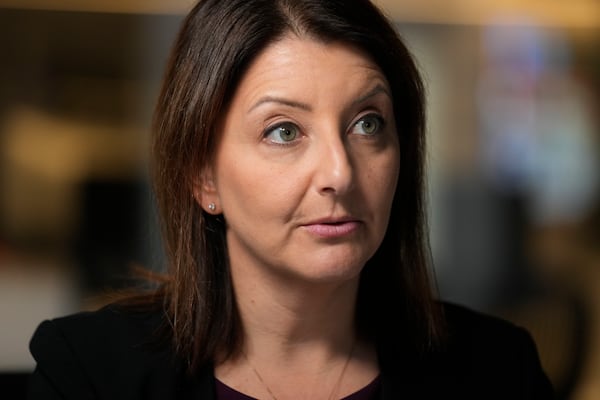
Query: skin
{"x": 305, "y": 173}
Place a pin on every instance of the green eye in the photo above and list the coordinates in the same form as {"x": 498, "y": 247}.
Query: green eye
{"x": 283, "y": 133}
{"x": 368, "y": 125}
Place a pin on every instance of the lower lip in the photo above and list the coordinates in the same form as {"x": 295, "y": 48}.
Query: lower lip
{"x": 330, "y": 231}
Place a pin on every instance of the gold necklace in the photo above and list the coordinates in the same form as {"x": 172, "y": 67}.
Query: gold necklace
{"x": 334, "y": 390}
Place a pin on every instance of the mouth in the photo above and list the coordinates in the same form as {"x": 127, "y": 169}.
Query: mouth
{"x": 331, "y": 228}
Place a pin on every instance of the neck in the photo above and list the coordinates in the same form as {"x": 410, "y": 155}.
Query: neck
{"x": 300, "y": 338}
{"x": 287, "y": 314}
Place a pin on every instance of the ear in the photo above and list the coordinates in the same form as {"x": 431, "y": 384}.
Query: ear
{"x": 205, "y": 191}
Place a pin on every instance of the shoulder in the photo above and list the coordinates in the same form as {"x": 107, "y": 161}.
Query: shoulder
{"x": 111, "y": 353}
{"x": 465, "y": 326}
{"x": 481, "y": 357}
{"x": 114, "y": 332}
{"x": 485, "y": 339}
{"x": 490, "y": 356}
{"x": 116, "y": 316}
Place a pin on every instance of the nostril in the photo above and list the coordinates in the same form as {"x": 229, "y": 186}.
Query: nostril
{"x": 328, "y": 190}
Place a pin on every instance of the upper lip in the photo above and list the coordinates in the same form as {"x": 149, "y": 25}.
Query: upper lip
{"x": 332, "y": 220}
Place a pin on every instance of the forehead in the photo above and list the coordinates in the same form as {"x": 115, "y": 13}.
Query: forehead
{"x": 308, "y": 63}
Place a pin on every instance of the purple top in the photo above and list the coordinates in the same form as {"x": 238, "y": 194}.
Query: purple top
{"x": 369, "y": 392}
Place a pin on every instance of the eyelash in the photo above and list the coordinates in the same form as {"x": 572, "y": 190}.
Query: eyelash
{"x": 281, "y": 125}
{"x": 378, "y": 118}
{"x": 290, "y": 125}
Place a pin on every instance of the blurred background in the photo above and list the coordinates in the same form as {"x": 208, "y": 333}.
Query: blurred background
{"x": 514, "y": 161}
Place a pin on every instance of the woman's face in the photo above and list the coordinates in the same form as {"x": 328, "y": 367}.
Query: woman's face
{"x": 307, "y": 163}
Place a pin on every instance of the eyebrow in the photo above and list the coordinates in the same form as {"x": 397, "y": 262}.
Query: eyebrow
{"x": 379, "y": 88}
{"x": 303, "y": 106}
{"x": 282, "y": 101}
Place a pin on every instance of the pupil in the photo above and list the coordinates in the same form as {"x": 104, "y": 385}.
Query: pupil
{"x": 286, "y": 134}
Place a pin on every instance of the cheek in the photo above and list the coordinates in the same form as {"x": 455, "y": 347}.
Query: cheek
{"x": 258, "y": 191}
{"x": 394, "y": 176}
{"x": 384, "y": 175}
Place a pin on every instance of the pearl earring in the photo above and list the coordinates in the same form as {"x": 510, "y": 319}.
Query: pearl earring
{"x": 212, "y": 207}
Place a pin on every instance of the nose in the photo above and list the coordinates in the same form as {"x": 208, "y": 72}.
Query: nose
{"x": 334, "y": 173}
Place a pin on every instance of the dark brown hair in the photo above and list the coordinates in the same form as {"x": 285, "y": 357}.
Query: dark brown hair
{"x": 217, "y": 42}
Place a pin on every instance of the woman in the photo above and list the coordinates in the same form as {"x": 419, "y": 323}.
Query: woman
{"x": 289, "y": 140}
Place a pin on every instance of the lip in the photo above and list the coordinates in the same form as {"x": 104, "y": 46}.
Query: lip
{"x": 332, "y": 228}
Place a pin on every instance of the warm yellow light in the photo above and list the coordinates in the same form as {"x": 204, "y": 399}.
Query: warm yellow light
{"x": 560, "y": 13}
{"x": 111, "y": 6}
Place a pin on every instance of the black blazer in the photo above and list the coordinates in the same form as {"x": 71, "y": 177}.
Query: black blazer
{"x": 109, "y": 354}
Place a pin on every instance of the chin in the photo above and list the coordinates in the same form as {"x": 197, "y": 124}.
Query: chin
{"x": 332, "y": 273}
